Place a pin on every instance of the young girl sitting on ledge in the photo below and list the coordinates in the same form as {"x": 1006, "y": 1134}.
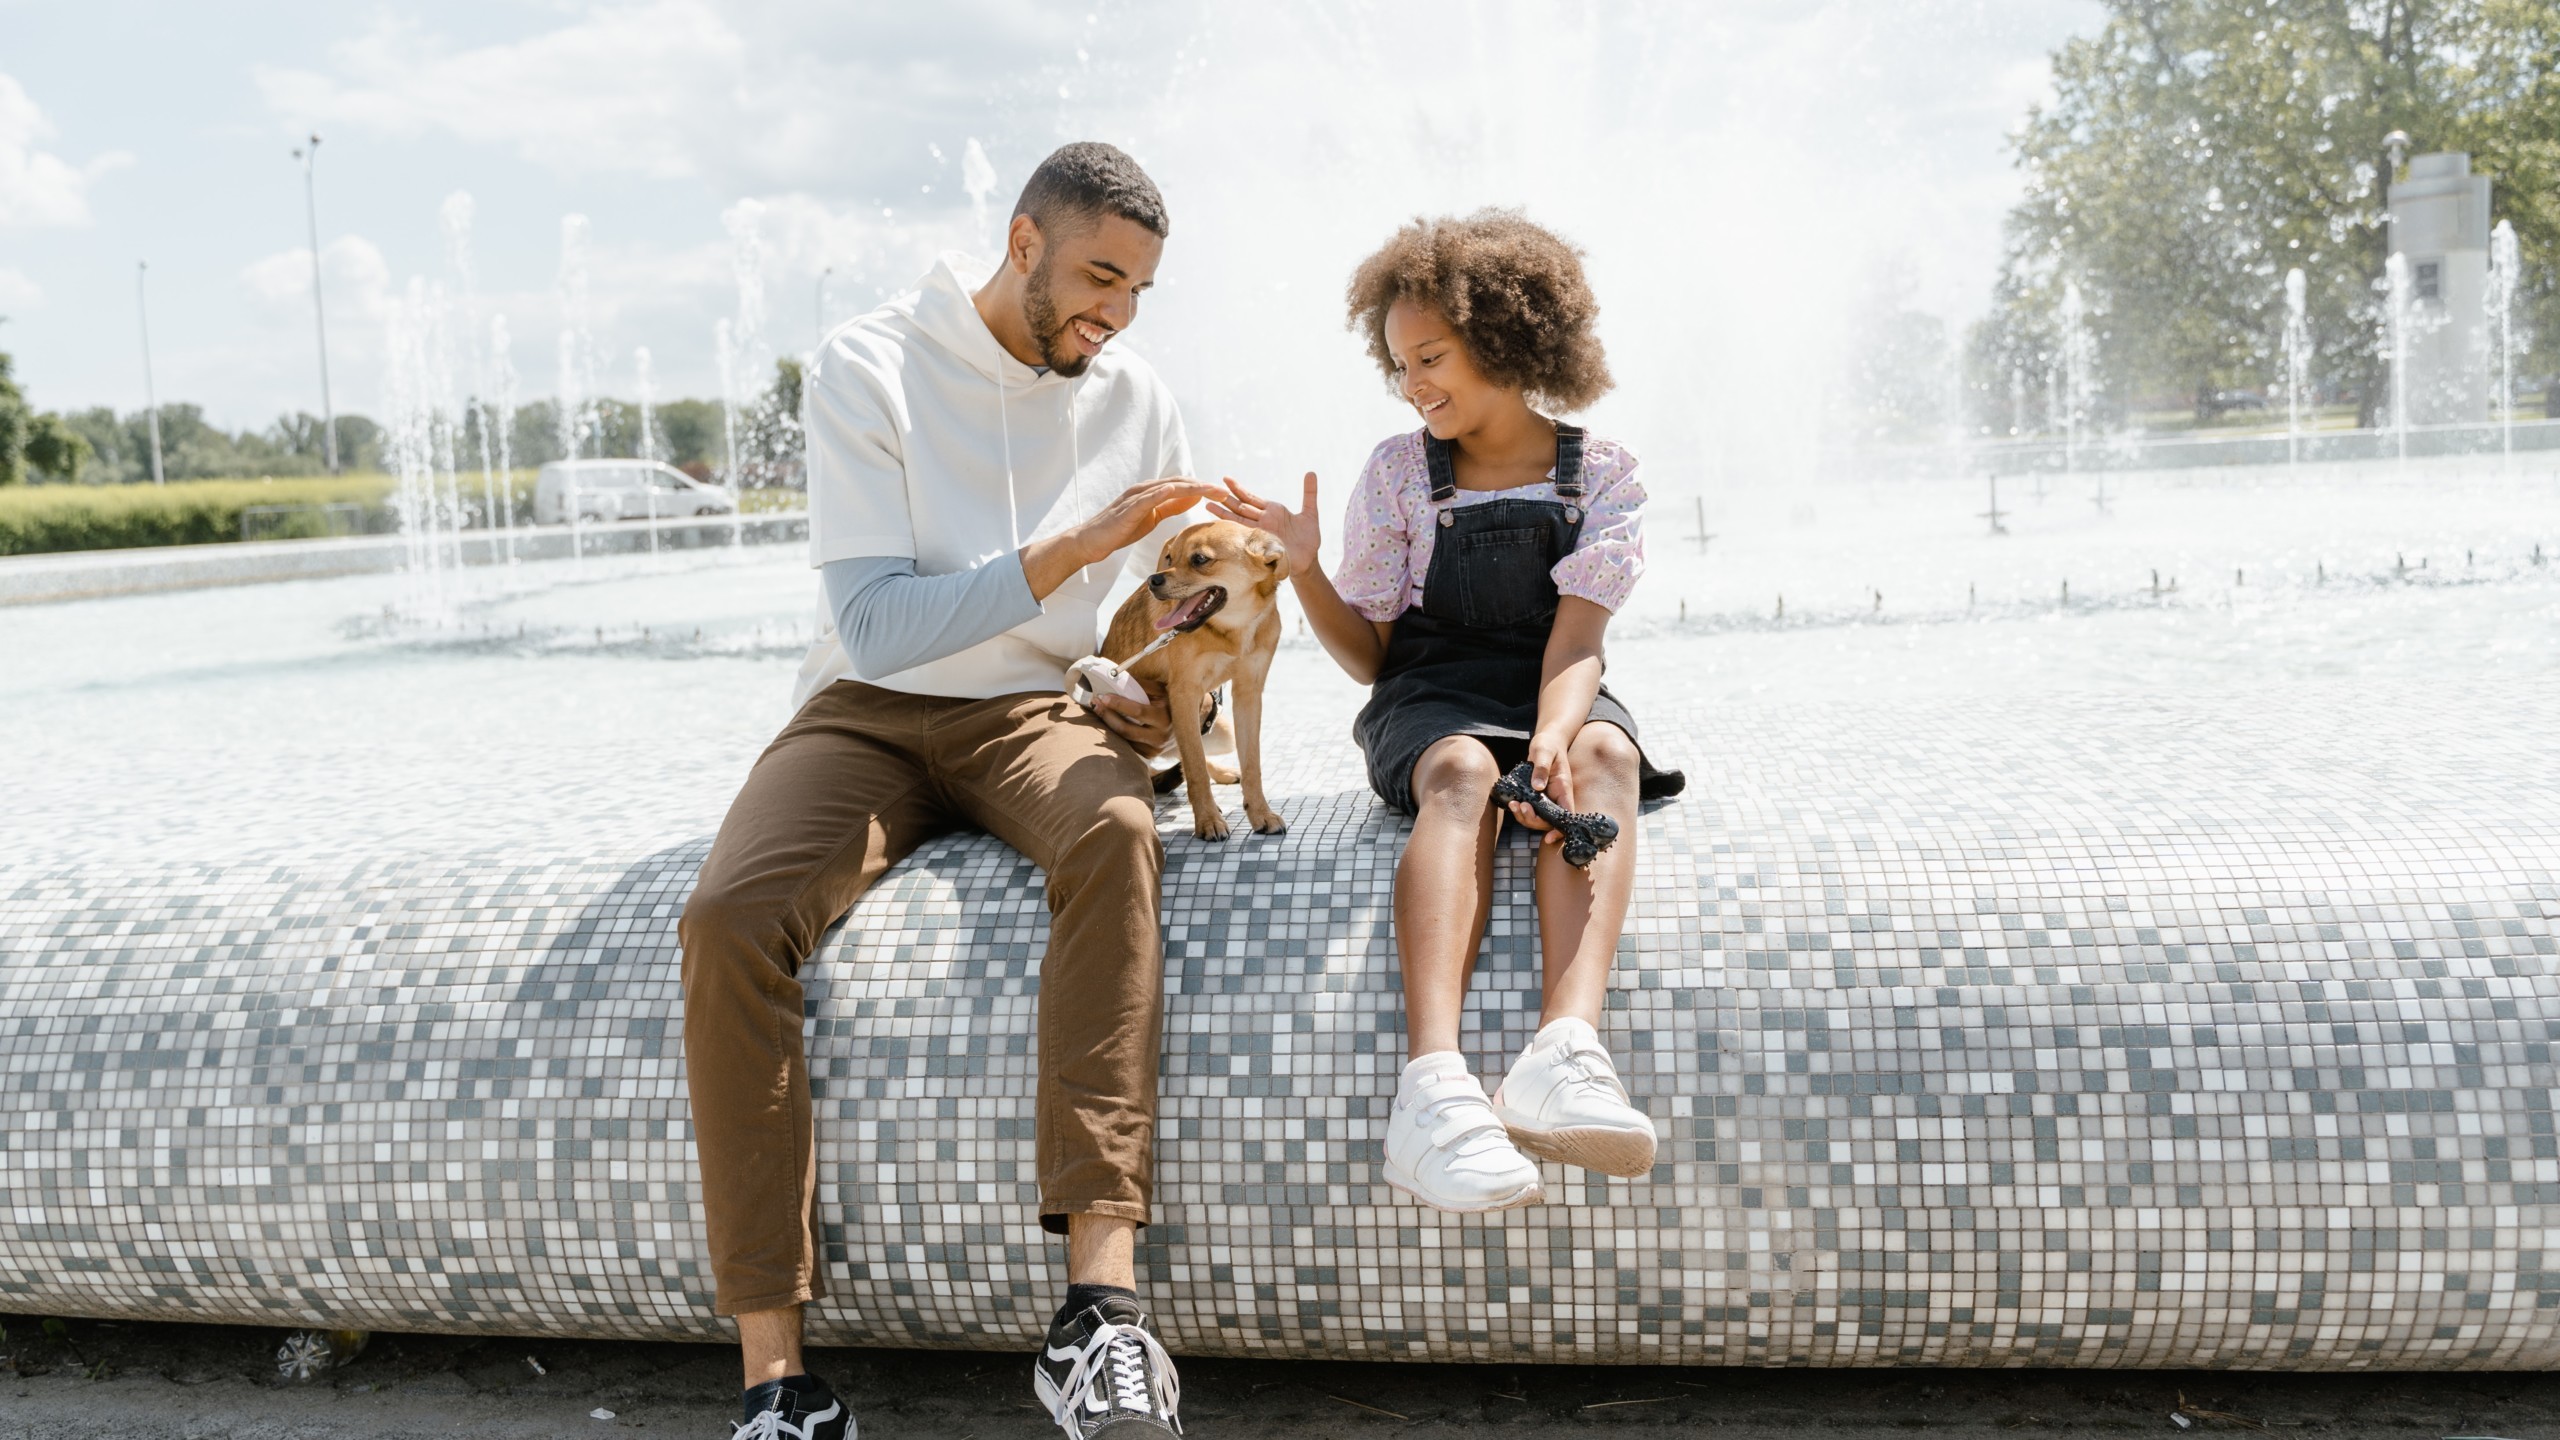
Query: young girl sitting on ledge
{"x": 1482, "y": 558}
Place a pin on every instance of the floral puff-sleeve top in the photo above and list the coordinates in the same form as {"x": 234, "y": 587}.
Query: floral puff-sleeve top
{"x": 1389, "y": 529}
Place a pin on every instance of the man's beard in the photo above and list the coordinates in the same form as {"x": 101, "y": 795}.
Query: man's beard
{"x": 1040, "y": 314}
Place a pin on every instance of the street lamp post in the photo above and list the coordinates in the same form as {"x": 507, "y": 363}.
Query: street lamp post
{"x": 309, "y": 155}
{"x": 822, "y": 306}
{"x": 150, "y": 395}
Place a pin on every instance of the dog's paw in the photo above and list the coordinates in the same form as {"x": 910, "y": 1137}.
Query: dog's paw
{"x": 1225, "y": 774}
{"x": 1266, "y": 821}
{"x": 1209, "y": 825}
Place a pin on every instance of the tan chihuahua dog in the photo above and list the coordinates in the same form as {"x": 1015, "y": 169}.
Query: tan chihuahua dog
{"x": 1216, "y": 585}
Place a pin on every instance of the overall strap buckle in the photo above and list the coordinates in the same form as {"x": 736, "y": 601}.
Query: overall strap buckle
{"x": 1569, "y": 464}
{"x": 1444, "y": 471}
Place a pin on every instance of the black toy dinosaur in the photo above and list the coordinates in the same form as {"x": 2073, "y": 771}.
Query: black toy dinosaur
{"x": 1585, "y": 836}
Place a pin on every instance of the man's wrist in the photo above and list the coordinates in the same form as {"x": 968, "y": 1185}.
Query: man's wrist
{"x": 1087, "y": 547}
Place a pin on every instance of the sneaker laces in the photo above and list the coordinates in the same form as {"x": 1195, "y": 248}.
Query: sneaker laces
{"x": 1122, "y": 1367}
{"x": 1585, "y": 1065}
{"x": 772, "y": 1424}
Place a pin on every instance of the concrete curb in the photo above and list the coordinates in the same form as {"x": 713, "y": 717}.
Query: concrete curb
{"x": 89, "y": 574}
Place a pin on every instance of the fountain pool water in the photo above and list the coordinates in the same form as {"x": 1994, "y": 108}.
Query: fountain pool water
{"x": 542, "y": 698}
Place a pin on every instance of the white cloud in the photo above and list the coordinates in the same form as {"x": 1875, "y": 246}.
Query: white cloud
{"x": 621, "y": 89}
{"x": 38, "y": 188}
{"x": 670, "y": 88}
{"x": 356, "y": 279}
{"x": 17, "y": 292}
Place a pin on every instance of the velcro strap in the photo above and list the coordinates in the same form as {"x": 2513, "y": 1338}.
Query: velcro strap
{"x": 1458, "y": 1127}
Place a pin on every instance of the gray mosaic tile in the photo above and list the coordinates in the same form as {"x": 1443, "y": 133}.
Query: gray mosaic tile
{"x": 2143, "y": 1036}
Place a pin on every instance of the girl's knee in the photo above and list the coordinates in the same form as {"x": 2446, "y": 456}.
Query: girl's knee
{"x": 1604, "y": 748}
{"x": 1458, "y": 769}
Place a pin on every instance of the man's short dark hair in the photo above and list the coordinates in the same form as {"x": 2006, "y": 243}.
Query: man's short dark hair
{"x": 1085, "y": 181}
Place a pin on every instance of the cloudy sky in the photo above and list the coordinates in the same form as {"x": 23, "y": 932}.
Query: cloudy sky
{"x": 1733, "y": 171}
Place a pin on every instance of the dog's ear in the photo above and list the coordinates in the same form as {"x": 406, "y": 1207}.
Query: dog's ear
{"x": 1264, "y": 546}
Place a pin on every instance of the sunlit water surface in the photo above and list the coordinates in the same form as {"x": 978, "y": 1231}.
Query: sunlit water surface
{"x": 628, "y": 695}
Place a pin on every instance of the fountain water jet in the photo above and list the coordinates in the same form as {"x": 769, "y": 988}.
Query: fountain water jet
{"x": 420, "y": 445}
{"x": 2505, "y": 276}
{"x": 978, "y": 177}
{"x": 2077, "y": 384}
{"x": 646, "y": 448}
{"x": 724, "y": 353}
{"x": 502, "y": 420}
{"x": 444, "y": 411}
{"x": 2395, "y": 341}
{"x": 2297, "y": 361}
{"x": 745, "y": 358}
{"x": 456, "y": 215}
{"x": 648, "y": 442}
{"x": 577, "y": 367}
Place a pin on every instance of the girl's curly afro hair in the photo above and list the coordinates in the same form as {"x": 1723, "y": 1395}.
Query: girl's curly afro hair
{"x": 1514, "y": 291}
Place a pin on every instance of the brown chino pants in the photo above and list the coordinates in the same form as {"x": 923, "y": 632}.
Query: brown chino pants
{"x": 859, "y": 778}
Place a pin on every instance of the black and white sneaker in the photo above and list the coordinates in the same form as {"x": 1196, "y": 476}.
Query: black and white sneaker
{"x": 1105, "y": 1370}
{"x": 799, "y": 1408}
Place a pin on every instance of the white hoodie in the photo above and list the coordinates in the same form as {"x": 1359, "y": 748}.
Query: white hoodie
{"x": 927, "y": 441}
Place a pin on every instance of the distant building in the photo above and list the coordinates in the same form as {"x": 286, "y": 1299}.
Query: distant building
{"x": 2440, "y": 225}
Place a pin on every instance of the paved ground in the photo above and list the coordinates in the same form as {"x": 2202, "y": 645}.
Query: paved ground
{"x": 147, "y": 1382}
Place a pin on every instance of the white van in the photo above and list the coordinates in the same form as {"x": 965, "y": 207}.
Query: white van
{"x": 622, "y": 490}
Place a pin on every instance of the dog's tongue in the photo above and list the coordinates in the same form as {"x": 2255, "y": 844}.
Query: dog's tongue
{"x": 1185, "y": 612}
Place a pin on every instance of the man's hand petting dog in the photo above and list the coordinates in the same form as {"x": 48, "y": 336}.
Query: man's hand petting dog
{"x": 1148, "y": 728}
{"x": 1124, "y": 522}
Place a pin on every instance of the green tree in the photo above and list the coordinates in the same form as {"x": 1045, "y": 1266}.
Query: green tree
{"x": 690, "y": 432}
{"x": 533, "y": 437}
{"x": 1895, "y": 386}
{"x": 770, "y": 448}
{"x": 55, "y": 450}
{"x": 15, "y": 421}
{"x": 2197, "y": 149}
{"x": 44, "y": 443}
{"x": 113, "y": 460}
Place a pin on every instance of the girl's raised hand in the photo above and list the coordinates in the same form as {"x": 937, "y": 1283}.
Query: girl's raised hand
{"x": 1297, "y": 528}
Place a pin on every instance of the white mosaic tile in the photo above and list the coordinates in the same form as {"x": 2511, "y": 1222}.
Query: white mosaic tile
{"x": 2116, "y": 1032}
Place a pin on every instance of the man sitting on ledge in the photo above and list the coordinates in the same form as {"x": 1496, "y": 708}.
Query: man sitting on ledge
{"x": 977, "y": 462}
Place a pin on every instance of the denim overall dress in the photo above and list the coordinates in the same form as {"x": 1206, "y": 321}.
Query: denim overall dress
{"x": 1467, "y": 660}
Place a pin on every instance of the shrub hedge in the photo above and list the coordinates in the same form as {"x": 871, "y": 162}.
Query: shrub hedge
{"x": 38, "y": 518}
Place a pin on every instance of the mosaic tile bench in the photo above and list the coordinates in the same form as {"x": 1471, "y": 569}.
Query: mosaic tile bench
{"x": 2142, "y": 1037}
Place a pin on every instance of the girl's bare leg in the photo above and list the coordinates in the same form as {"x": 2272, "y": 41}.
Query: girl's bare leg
{"x": 1580, "y": 912}
{"x": 1444, "y": 887}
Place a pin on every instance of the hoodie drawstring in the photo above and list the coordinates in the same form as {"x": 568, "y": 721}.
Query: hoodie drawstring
{"x": 1004, "y": 425}
{"x": 1075, "y": 453}
{"x": 1075, "y": 463}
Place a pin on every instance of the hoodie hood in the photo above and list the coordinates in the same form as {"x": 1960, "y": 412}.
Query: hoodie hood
{"x": 943, "y": 308}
